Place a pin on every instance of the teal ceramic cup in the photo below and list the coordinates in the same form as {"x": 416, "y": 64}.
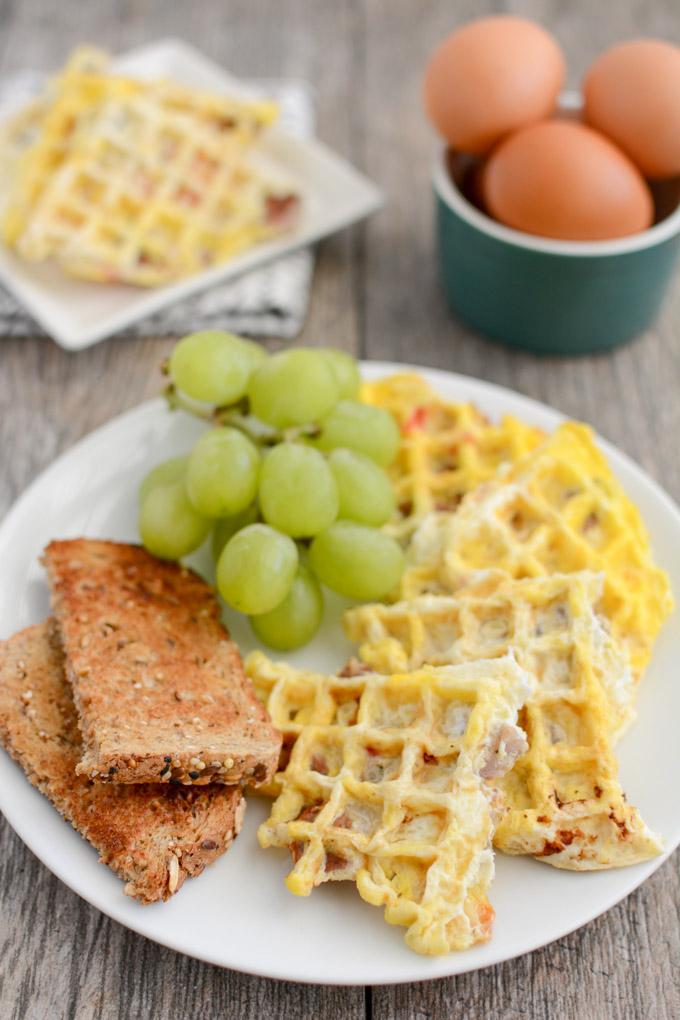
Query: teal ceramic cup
{"x": 551, "y": 297}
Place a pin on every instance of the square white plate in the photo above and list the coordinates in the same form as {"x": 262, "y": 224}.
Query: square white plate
{"x": 78, "y": 313}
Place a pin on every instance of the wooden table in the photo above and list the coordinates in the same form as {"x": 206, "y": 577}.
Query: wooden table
{"x": 375, "y": 293}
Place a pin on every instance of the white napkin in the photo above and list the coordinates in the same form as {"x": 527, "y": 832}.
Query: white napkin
{"x": 271, "y": 301}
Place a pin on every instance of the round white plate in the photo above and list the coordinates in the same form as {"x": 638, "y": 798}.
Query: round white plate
{"x": 239, "y": 914}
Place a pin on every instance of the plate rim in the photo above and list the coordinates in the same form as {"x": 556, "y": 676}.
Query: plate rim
{"x": 636, "y": 874}
{"x": 368, "y": 200}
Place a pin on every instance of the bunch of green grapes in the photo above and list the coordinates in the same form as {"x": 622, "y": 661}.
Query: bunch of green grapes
{"x": 291, "y": 482}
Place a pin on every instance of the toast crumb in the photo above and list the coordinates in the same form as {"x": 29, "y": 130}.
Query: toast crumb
{"x": 159, "y": 686}
{"x": 152, "y": 836}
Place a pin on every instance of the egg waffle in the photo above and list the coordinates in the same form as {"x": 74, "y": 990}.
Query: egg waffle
{"x": 564, "y": 802}
{"x": 559, "y": 510}
{"x": 143, "y": 183}
{"x": 386, "y": 786}
{"x": 36, "y": 140}
{"x": 447, "y": 449}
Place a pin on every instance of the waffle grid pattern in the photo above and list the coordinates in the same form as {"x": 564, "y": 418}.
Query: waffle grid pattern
{"x": 447, "y": 449}
{"x": 563, "y": 798}
{"x": 385, "y": 786}
{"x": 560, "y": 510}
{"x": 142, "y": 182}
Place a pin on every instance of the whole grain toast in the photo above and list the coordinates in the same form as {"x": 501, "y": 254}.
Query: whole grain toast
{"x": 159, "y": 686}
{"x": 152, "y": 836}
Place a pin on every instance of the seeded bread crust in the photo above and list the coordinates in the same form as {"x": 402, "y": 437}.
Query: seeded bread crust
{"x": 159, "y": 686}
{"x": 154, "y": 836}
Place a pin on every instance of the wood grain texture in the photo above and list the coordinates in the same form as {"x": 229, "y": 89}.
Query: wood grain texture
{"x": 375, "y": 292}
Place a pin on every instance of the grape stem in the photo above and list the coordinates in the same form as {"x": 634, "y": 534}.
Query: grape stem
{"x": 237, "y": 416}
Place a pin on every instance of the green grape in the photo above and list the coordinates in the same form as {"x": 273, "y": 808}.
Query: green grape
{"x": 296, "y": 620}
{"x": 255, "y": 353}
{"x": 293, "y": 388}
{"x": 366, "y": 493}
{"x": 167, "y": 471}
{"x": 345, "y": 370}
{"x": 222, "y": 473}
{"x": 225, "y": 527}
{"x": 256, "y": 568}
{"x": 370, "y": 430}
{"x": 356, "y": 561}
{"x": 214, "y": 367}
{"x": 169, "y": 525}
{"x": 297, "y": 493}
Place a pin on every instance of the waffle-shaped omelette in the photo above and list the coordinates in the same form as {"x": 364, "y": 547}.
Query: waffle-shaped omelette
{"x": 564, "y": 803}
{"x": 388, "y": 785}
{"x": 558, "y": 510}
{"x": 447, "y": 449}
{"x": 139, "y": 182}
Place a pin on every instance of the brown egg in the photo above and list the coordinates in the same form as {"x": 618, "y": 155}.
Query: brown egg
{"x": 632, "y": 94}
{"x": 492, "y": 77}
{"x": 561, "y": 179}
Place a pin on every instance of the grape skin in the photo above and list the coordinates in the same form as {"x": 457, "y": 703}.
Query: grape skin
{"x": 256, "y": 568}
{"x": 356, "y": 561}
{"x": 222, "y": 473}
{"x": 214, "y": 367}
{"x": 365, "y": 491}
{"x": 225, "y": 527}
{"x": 293, "y": 388}
{"x": 355, "y": 426}
{"x": 169, "y": 525}
{"x": 297, "y": 492}
{"x": 345, "y": 370}
{"x": 296, "y": 620}
{"x": 167, "y": 471}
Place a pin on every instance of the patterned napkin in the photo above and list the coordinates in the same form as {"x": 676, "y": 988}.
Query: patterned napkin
{"x": 271, "y": 301}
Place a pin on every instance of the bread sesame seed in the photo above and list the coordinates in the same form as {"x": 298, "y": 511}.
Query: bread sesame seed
{"x": 173, "y": 874}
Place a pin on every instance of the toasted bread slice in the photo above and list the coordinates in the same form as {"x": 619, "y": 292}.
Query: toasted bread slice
{"x": 159, "y": 686}
{"x": 152, "y": 836}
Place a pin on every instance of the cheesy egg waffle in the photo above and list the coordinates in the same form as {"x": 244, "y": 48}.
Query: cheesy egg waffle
{"x": 141, "y": 182}
{"x": 563, "y": 798}
{"x": 387, "y": 786}
{"x": 447, "y": 449}
{"x": 559, "y": 510}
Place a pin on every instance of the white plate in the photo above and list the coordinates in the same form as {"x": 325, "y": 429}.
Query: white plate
{"x": 77, "y": 313}
{"x": 239, "y": 913}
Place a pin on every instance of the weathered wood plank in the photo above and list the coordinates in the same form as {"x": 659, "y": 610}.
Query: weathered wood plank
{"x": 376, "y": 290}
